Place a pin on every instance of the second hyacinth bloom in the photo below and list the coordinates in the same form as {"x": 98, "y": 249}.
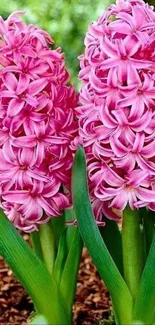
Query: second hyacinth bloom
{"x": 117, "y": 116}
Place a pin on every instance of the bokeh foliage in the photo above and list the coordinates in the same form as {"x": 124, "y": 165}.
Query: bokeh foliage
{"x": 65, "y": 20}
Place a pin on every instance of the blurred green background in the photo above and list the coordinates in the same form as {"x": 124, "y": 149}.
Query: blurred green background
{"x": 65, "y": 20}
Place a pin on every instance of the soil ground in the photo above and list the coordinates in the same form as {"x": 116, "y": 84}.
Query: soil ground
{"x": 92, "y": 304}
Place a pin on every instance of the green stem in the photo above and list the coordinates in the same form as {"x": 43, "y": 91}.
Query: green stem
{"x": 106, "y": 267}
{"x": 133, "y": 250}
{"x": 35, "y": 239}
{"x": 48, "y": 245}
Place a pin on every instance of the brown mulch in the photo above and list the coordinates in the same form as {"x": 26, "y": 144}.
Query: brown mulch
{"x": 92, "y": 301}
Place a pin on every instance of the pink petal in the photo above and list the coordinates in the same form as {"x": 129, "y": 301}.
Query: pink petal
{"x": 36, "y": 175}
{"x": 23, "y": 83}
{"x": 4, "y": 165}
{"x": 28, "y": 51}
{"x": 108, "y": 47}
{"x": 16, "y": 122}
{"x": 51, "y": 189}
{"x": 26, "y": 141}
{"x": 10, "y": 81}
{"x": 127, "y": 18}
{"x": 105, "y": 193}
{"x": 141, "y": 64}
{"x": 132, "y": 45}
{"x": 145, "y": 194}
{"x": 118, "y": 148}
{"x": 145, "y": 165}
{"x": 148, "y": 150}
{"x": 109, "y": 213}
{"x": 8, "y": 153}
{"x": 26, "y": 156}
{"x": 15, "y": 107}
{"x": 7, "y": 94}
{"x": 106, "y": 118}
{"x": 139, "y": 16}
{"x": 37, "y": 86}
{"x": 31, "y": 100}
{"x": 138, "y": 143}
{"x": 110, "y": 63}
{"x": 120, "y": 201}
{"x": 127, "y": 162}
{"x": 40, "y": 153}
{"x": 16, "y": 196}
{"x": 61, "y": 201}
{"x": 137, "y": 177}
{"x": 47, "y": 207}
{"x": 140, "y": 125}
{"x": 34, "y": 212}
{"x": 120, "y": 27}
{"x": 40, "y": 69}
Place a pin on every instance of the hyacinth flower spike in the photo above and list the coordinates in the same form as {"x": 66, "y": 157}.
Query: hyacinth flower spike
{"x": 115, "y": 169}
{"x": 37, "y": 127}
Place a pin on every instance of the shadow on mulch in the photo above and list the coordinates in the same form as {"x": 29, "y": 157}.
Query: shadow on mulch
{"x": 92, "y": 303}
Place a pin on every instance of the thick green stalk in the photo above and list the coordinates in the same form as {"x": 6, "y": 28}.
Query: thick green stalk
{"x": 35, "y": 239}
{"x": 48, "y": 245}
{"x": 117, "y": 287}
{"x": 133, "y": 250}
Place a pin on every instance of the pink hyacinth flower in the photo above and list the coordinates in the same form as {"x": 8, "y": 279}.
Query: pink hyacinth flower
{"x": 117, "y": 115}
{"x": 37, "y": 125}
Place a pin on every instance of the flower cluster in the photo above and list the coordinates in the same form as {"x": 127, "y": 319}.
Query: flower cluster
{"x": 37, "y": 125}
{"x": 117, "y": 116}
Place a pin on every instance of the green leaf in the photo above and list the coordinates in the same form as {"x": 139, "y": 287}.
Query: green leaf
{"x": 58, "y": 226}
{"x": 111, "y": 235}
{"x": 119, "y": 292}
{"x": 149, "y": 228}
{"x": 32, "y": 273}
{"x": 145, "y": 301}
{"x": 60, "y": 258}
{"x": 71, "y": 267}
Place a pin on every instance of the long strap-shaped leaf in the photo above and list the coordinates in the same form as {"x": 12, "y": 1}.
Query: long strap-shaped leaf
{"x": 149, "y": 229}
{"x": 32, "y": 273}
{"x": 120, "y": 294}
{"x": 69, "y": 275}
{"x": 145, "y": 302}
